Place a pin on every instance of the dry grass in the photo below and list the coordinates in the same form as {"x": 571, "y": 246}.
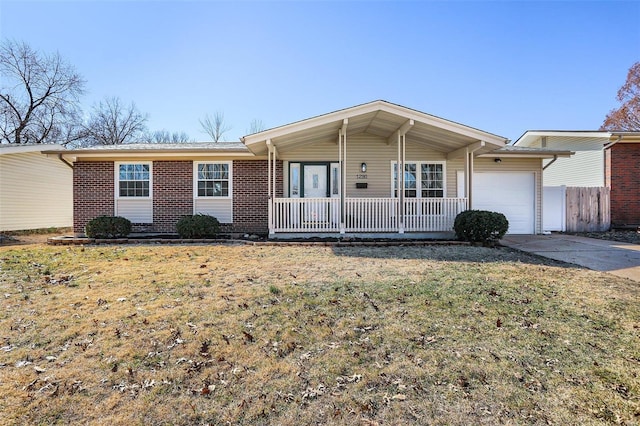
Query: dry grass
{"x": 313, "y": 335}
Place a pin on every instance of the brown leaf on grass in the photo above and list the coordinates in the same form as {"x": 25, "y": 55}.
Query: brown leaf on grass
{"x": 30, "y": 386}
{"x": 204, "y": 349}
{"x": 248, "y": 336}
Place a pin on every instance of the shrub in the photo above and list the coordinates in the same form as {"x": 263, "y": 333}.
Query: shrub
{"x": 108, "y": 227}
{"x": 198, "y": 226}
{"x": 480, "y": 226}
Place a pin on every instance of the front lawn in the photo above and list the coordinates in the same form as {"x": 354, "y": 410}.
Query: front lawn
{"x": 232, "y": 334}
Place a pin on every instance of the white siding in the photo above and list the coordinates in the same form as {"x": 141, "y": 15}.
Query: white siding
{"x": 221, "y": 209}
{"x": 136, "y": 210}
{"x": 369, "y": 149}
{"x": 36, "y": 191}
{"x": 585, "y": 168}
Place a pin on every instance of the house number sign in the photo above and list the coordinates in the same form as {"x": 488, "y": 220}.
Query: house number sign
{"x": 361, "y": 176}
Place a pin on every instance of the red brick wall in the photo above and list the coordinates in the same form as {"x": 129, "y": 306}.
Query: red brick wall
{"x": 172, "y": 194}
{"x": 250, "y": 195}
{"x": 93, "y": 191}
{"x": 623, "y": 170}
{"x": 93, "y": 188}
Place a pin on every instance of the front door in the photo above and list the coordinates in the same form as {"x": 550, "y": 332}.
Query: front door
{"x": 315, "y": 180}
{"x": 315, "y": 186}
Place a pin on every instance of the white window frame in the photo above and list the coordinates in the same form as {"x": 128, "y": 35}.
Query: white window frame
{"x": 419, "y": 188}
{"x": 212, "y": 197}
{"x": 117, "y": 165}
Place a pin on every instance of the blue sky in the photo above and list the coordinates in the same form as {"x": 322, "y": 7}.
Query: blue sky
{"x": 503, "y": 67}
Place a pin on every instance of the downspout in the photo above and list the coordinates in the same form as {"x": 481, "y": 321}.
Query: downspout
{"x": 609, "y": 145}
{"x": 555, "y": 157}
{"x": 607, "y": 182}
{"x": 65, "y": 161}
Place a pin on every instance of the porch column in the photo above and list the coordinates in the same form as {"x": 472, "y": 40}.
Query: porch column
{"x": 270, "y": 186}
{"x": 402, "y": 139}
{"x": 342, "y": 158}
{"x": 472, "y": 149}
{"x": 401, "y": 154}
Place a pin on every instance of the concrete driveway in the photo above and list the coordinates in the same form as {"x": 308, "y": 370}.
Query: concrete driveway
{"x": 621, "y": 259}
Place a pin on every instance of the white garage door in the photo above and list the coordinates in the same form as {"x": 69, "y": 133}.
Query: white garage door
{"x": 512, "y": 194}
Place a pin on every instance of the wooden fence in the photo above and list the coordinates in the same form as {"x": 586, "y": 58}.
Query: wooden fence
{"x": 588, "y": 209}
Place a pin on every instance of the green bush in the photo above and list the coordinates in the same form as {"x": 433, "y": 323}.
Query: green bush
{"x": 480, "y": 226}
{"x": 198, "y": 226}
{"x": 108, "y": 227}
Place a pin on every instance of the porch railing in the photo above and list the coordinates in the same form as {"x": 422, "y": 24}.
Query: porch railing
{"x": 365, "y": 214}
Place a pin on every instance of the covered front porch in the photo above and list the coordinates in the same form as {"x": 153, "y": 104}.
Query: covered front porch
{"x": 337, "y": 174}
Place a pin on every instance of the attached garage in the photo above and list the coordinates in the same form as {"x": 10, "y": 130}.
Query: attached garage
{"x": 510, "y": 193}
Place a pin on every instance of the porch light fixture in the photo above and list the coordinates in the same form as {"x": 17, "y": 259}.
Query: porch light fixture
{"x": 363, "y": 167}
{"x": 498, "y": 160}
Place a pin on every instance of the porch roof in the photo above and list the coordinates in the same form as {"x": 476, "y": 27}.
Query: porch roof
{"x": 379, "y": 118}
{"x": 527, "y": 152}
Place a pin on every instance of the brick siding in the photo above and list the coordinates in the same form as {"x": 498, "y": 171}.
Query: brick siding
{"x": 172, "y": 194}
{"x": 93, "y": 191}
{"x": 93, "y": 194}
{"x": 250, "y": 195}
{"x": 622, "y": 172}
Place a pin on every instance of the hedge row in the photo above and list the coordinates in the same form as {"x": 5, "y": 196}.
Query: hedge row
{"x": 196, "y": 226}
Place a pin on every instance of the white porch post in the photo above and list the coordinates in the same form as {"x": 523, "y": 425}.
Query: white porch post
{"x": 342, "y": 157}
{"x": 270, "y": 187}
{"x": 471, "y": 149}
{"x": 401, "y": 153}
{"x": 402, "y": 142}
{"x": 467, "y": 177}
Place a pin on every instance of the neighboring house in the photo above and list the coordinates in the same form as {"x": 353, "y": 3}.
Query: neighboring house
{"x": 602, "y": 159}
{"x": 584, "y": 168}
{"x": 334, "y": 174}
{"x": 36, "y": 190}
{"x": 622, "y": 176}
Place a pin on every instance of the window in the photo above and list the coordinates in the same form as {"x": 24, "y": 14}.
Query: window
{"x": 429, "y": 184}
{"x": 134, "y": 180}
{"x": 213, "y": 179}
{"x": 432, "y": 180}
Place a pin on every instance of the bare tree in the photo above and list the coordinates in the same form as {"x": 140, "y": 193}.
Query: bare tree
{"x": 256, "y": 126}
{"x": 164, "y": 136}
{"x": 627, "y": 115}
{"x": 112, "y": 123}
{"x": 39, "y": 96}
{"x": 215, "y": 126}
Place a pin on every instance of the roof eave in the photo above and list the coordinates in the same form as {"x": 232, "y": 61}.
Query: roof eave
{"x": 340, "y": 115}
